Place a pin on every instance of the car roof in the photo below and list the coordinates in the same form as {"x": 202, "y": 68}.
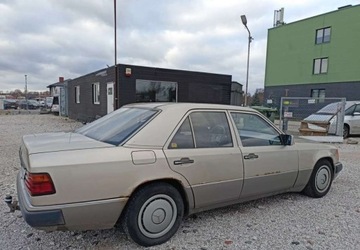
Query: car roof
{"x": 352, "y": 102}
{"x": 186, "y": 106}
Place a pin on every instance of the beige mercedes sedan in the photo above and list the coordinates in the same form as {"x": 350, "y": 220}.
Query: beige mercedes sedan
{"x": 146, "y": 166}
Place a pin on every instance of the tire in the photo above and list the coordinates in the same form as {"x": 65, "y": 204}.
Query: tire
{"x": 320, "y": 180}
{"x": 154, "y": 214}
{"x": 346, "y": 131}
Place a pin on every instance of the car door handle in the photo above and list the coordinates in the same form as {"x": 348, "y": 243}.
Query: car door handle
{"x": 251, "y": 156}
{"x": 185, "y": 160}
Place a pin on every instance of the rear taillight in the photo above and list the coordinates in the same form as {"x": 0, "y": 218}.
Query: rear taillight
{"x": 39, "y": 184}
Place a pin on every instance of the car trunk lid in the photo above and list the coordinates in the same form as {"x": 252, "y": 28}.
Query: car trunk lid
{"x": 59, "y": 141}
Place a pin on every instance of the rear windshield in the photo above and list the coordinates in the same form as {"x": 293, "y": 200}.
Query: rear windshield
{"x": 117, "y": 126}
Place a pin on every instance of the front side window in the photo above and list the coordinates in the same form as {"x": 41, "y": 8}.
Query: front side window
{"x": 96, "y": 93}
{"x": 357, "y": 109}
{"x": 255, "y": 131}
{"x": 320, "y": 66}
{"x": 117, "y": 126}
{"x": 203, "y": 129}
{"x": 323, "y": 35}
{"x": 350, "y": 110}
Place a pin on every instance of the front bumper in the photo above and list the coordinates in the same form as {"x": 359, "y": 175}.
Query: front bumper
{"x": 338, "y": 168}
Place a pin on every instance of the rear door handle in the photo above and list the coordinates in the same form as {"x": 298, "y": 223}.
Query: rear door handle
{"x": 251, "y": 156}
{"x": 184, "y": 160}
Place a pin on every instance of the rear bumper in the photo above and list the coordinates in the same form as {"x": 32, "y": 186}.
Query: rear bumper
{"x": 75, "y": 216}
{"x": 40, "y": 218}
{"x": 45, "y": 218}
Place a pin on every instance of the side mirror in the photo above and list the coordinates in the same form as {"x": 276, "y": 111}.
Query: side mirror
{"x": 356, "y": 113}
{"x": 286, "y": 140}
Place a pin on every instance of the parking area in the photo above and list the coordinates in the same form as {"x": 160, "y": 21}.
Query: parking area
{"x": 288, "y": 221}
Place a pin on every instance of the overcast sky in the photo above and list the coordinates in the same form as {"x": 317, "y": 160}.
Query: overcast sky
{"x": 45, "y": 39}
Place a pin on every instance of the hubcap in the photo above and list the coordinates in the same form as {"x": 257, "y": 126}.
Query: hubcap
{"x": 323, "y": 179}
{"x": 157, "y": 216}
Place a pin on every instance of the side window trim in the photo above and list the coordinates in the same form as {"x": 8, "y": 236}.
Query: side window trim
{"x": 239, "y": 139}
{"x": 192, "y": 130}
{"x": 228, "y": 118}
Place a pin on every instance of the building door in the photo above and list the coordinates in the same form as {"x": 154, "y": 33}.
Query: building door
{"x": 62, "y": 105}
{"x": 110, "y": 97}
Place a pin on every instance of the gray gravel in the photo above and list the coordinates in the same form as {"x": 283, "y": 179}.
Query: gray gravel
{"x": 289, "y": 221}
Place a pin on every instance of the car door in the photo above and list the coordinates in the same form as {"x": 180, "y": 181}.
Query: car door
{"x": 202, "y": 150}
{"x": 269, "y": 166}
{"x": 354, "y": 120}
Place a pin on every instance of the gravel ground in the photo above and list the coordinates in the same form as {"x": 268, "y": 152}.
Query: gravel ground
{"x": 289, "y": 221}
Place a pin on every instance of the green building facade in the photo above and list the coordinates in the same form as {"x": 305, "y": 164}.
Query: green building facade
{"x": 315, "y": 57}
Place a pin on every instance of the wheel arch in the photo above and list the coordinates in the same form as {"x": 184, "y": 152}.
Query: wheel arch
{"x": 331, "y": 161}
{"x": 173, "y": 182}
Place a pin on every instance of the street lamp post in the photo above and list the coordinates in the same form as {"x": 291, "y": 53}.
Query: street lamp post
{"x": 26, "y": 93}
{"x": 244, "y": 21}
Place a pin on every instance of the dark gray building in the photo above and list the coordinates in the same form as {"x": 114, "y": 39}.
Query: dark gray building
{"x": 91, "y": 96}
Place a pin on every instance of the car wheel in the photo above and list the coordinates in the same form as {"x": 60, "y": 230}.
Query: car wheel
{"x": 154, "y": 214}
{"x": 320, "y": 180}
{"x": 346, "y": 131}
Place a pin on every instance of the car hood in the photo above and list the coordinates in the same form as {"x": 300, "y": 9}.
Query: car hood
{"x": 307, "y": 144}
{"x": 60, "y": 141}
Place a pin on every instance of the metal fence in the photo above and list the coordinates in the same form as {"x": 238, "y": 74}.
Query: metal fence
{"x": 312, "y": 116}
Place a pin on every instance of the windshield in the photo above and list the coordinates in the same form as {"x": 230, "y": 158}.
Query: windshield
{"x": 333, "y": 108}
{"x": 117, "y": 126}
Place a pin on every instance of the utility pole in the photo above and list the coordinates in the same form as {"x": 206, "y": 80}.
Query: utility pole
{"x": 116, "y": 94}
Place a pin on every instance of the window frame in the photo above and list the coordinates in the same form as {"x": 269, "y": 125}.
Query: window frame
{"x": 322, "y": 36}
{"x": 96, "y": 93}
{"x": 238, "y": 137}
{"x": 319, "y": 97}
{"x": 77, "y": 94}
{"x": 320, "y": 69}
{"x": 145, "y": 89}
{"x": 187, "y": 116}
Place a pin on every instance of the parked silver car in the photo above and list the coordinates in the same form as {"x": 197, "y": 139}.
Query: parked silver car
{"x": 351, "y": 120}
{"x": 147, "y": 166}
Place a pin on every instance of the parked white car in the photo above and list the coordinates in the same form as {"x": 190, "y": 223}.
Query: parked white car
{"x": 351, "y": 120}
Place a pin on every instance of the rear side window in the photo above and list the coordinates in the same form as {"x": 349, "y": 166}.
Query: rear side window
{"x": 183, "y": 137}
{"x": 203, "y": 129}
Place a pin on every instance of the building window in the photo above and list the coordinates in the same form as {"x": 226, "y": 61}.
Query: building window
{"x": 323, "y": 35}
{"x": 320, "y": 66}
{"x": 156, "y": 91}
{"x": 318, "y": 94}
{"x": 96, "y": 93}
{"x": 77, "y": 94}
